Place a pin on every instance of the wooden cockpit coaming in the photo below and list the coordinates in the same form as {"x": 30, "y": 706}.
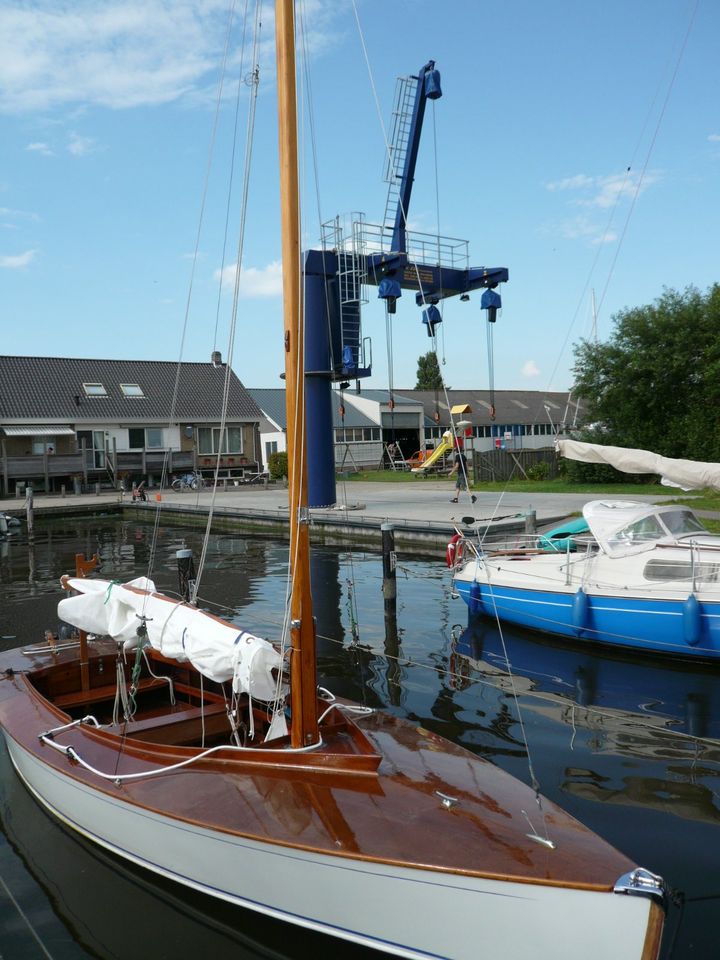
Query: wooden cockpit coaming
{"x": 196, "y": 721}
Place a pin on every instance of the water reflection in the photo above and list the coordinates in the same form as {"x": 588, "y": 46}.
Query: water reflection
{"x": 590, "y": 687}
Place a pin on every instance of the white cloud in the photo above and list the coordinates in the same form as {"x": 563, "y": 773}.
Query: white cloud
{"x": 570, "y": 183}
{"x": 583, "y": 228}
{"x": 42, "y": 148}
{"x": 254, "y": 282}
{"x": 530, "y": 369}
{"x": 80, "y": 146}
{"x": 17, "y": 261}
{"x": 18, "y": 214}
{"x": 124, "y": 53}
{"x": 714, "y": 138}
{"x": 609, "y": 236}
{"x": 603, "y": 191}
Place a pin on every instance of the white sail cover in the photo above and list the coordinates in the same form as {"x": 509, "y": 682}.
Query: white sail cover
{"x": 686, "y": 474}
{"x": 217, "y": 649}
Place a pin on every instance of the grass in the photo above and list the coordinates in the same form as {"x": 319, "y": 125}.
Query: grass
{"x": 705, "y": 500}
{"x": 521, "y": 486}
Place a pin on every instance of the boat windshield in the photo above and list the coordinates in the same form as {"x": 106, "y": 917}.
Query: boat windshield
{"x": 680, "y": 523}
{"x": 677, "y": 523}
{"x": 641, "y": 531}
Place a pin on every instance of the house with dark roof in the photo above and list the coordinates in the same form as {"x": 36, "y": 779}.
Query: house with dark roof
{"x": 68, "y": 420}
{"x": 503, "y": 419}
{"x": 365, "y": 424}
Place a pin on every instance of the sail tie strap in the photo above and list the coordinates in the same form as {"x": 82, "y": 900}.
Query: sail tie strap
{"x": 113, "y": 583}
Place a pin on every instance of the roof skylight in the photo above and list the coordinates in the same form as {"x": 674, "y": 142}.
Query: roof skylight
{"x": 94, "y": 390}
{"x": 132, "y": 390}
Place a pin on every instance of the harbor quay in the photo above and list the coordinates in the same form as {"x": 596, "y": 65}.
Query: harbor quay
{"x": 421, "y": 514}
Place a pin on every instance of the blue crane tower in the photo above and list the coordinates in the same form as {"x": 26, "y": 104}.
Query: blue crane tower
{"x": 389, "y": 257}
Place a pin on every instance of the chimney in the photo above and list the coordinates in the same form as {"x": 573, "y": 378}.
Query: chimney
{"x": 216, "y": 358}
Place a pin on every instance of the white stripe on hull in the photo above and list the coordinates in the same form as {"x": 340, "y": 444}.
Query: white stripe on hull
{"x": 404, "y": 911}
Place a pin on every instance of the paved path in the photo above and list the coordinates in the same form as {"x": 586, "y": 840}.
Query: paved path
{"x": 426, "y": 501}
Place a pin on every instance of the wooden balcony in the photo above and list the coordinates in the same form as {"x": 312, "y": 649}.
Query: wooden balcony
{"x": 52, "y": 470}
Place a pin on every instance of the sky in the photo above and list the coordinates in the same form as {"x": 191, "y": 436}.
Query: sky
{"x": 576, "y": 144}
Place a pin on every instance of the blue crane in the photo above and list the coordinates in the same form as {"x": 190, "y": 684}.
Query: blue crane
{"x": 388, "y": 257}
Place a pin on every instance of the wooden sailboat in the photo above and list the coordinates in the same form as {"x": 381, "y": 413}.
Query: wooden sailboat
{"x": 362, "y": 826}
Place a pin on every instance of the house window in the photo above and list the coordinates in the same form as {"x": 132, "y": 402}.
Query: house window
{"x": 132, "y": 390}
{"x": 209, "y": 440}
{"x": 270, "y": 448}
{"x": 42, "y": 445}
{"x": 94, "y": 390}
{"x": 150, "y": 437}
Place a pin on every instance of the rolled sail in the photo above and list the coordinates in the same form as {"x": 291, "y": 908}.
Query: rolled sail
{"x": 686, "y": 474}
{"x": 176, "y": 629}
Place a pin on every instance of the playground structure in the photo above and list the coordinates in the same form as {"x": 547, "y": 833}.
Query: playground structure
{"x": 430, "y": 461}
{"x": 356, "y": 255}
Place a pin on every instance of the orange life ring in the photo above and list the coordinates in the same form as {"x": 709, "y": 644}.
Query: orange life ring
{"x": 454, "y": 551}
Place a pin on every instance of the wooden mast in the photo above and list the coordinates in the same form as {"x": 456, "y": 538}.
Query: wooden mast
{"x": 303, "y": 679}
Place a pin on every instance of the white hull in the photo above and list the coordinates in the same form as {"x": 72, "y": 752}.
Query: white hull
{"x": 403, "y": 911}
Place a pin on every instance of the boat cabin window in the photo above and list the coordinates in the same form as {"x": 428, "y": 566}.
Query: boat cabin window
{"x": 641, "y": 531}
{"x": 681, "y": 570}
{"x": 682, "y": 522}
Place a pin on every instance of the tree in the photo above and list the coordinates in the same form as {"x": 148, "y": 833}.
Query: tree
{"x": 428, "y": 373}
{"x": 655, "y": 384}
{"x": 278, "y": 464}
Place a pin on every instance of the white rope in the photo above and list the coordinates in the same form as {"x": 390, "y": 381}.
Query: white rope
{"x": 72, "y": 754}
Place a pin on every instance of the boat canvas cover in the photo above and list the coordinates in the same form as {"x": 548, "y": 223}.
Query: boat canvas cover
{"x": 686, "y": 474}
{"x": 609, "y": 519}
{"x": 176, "y": 629}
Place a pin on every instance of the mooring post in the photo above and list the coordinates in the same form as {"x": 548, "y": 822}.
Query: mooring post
{"x": 186, "y": 573}
{"x": 392, "y": 646}
{"x": 531, "y": 523}
{"x": 29, "y": 511}
{"x": 389, "y": 563}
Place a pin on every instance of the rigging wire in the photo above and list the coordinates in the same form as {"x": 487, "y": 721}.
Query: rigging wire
{"x": 231, "y": 174}
{"x": 188, "y": 301}
{"x": 489, "y": 679}
{"x": 650, "y": 149}
{"x": 437, "y": 221}
{"x": 452, "y": 423}
{"x": 254, "y": 81}
{"x": 24, "y": 917}
{"x": 307, "y": 102}
{"x": 622, "y": 191}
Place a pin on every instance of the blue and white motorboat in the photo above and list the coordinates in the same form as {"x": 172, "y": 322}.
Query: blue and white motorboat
{"x": 647, "y": 577}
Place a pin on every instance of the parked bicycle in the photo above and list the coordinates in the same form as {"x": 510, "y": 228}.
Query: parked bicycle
{"x": 188, "y": 481}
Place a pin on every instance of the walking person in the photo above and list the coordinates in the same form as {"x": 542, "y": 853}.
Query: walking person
{"x": 460, "y": 469}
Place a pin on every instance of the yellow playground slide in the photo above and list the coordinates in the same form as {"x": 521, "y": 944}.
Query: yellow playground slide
{"x": 445, "y": 446}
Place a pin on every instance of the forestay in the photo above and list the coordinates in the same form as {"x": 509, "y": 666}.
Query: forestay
{"x": 217, "y": 649}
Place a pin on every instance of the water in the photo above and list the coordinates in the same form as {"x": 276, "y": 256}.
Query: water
{"x": 629, "y": 746}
